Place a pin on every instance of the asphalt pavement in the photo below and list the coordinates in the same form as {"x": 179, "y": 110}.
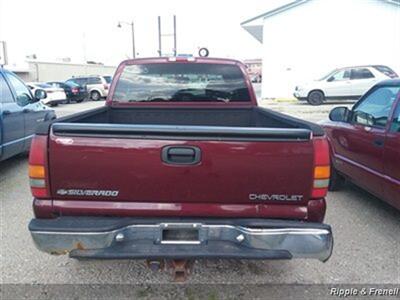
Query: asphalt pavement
{"x": 366, "y": 232}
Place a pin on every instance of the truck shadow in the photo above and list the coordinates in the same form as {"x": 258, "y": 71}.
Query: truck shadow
{"x": 12, "y": 164}
{"x": 216, "y": 271}
{"x": 378, "y": 206}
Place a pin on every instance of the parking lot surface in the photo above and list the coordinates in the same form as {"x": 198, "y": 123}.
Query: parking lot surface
{"x": 366, "y": 231}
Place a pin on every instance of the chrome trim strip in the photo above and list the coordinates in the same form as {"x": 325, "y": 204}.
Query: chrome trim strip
{"x": 18, "y": 140}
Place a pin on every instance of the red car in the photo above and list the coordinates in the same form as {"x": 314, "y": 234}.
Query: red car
{"x": 181, "y": 163}
{"x": 365, "y": 142}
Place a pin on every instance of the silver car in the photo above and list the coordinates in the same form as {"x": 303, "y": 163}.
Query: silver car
{"x": 97, "y": 86}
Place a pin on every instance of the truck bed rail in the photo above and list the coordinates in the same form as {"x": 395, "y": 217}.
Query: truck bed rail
{"x": 181, "y": 132}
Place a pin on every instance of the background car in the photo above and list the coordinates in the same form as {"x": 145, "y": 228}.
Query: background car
{"x": 73, "y": 91}
{"x": 108, "y": 79}
{"x": 55, "y": 95}
{"x": 256, "y": 78}
{"x": 97, "y": 86}
{"x": 20, "y": 114}
{"x": 343, "y": 84}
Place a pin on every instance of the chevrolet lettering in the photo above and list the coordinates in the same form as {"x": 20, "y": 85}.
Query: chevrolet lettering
{"x": 267, "y": 197}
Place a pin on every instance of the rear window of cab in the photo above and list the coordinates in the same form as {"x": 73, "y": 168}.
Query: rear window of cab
{"x": 181, "y": 82}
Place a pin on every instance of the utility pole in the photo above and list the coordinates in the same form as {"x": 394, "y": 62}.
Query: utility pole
{"x": 3, "y": 54}
{"x": 160, "y": 36}
{"x": 133, "y": 41}
{"x": 175, "y": 52}
{"x": 133, "y": 35}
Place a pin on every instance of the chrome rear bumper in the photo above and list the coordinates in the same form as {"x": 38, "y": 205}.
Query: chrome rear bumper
{"x": 283, "y": 239}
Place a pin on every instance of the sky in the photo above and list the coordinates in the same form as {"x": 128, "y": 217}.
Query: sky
{"x": 87, "y": 30}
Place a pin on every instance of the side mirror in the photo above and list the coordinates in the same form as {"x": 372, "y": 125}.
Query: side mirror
{"x": 339, "y": 114}
{"x": 40, "y": 94}
{"x": 330, "y": 79}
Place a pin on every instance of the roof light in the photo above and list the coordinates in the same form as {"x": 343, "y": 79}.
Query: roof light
{"x": 181, "y": 58}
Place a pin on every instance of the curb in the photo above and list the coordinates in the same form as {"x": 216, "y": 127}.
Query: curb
{"x": 281, "y": 100}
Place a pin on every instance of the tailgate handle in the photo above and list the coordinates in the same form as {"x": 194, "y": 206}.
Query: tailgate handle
{"x": 181, "y": 155}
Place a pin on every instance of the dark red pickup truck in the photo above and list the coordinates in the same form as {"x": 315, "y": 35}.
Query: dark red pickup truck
{"x": 181, "y": 163}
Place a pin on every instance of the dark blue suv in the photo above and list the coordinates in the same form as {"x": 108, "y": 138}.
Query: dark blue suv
{"x": 20, "y": 113}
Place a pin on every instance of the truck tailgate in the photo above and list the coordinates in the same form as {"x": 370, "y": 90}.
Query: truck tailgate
{"x": 196, "y": 170}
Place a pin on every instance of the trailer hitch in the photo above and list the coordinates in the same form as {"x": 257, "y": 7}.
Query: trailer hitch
{"x": 179, "y": 268}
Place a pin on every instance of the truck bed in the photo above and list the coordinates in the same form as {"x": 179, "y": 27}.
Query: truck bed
{"x": 241, "y": 156}
{"x": 218, "y": 122}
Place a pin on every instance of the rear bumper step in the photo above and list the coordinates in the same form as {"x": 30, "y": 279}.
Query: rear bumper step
{"x": 146, "y": 238}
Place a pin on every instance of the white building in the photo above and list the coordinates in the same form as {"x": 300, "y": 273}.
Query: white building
{"x": 34, "y": 70}
{"x": 305, "y": 39}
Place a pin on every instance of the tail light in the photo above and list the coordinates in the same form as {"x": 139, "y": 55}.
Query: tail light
{"x": 105, "y": 86}
{"x": 75, "y": 90}
{"x": 38, "y": 176}
{"x": 321, "y": 168}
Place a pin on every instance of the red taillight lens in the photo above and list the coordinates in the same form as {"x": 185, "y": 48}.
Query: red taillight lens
{"x": 38, "y": 176}
{"x": 75, "y": 90}
{"x": 105, "y": 86}
{"x": 321, "y": 168}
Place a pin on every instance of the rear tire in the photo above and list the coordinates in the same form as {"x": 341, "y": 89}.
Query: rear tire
{"x": 336, "y": 181}
{"x": 95, "y": 96}
{"x": 79, "y": 101}
{"x": 316, "y": 98}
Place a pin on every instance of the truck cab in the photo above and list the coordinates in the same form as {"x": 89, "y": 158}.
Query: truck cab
{"x": 20, "y": 113}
